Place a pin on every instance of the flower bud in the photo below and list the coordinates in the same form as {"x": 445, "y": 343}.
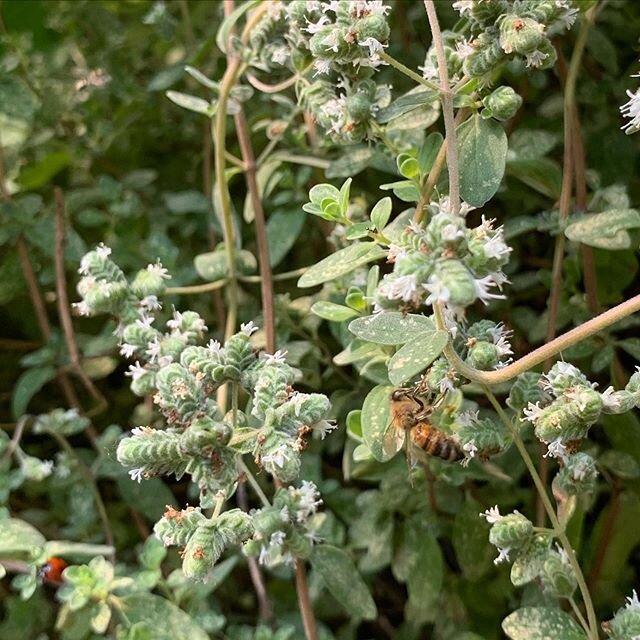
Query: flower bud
{"x": 106, "y": 297}
{"x": 625, "y": 625}
{"x": 520, "y": 35}
{"x": 487, "y": 56}
{"x": 501, "y": 104}
{"x": 372, "y": 26}
{"x": 139, "y": 335}
{"x": 148, "y": 283}
{"x": 278, "y": 456}
{"x": 617, "y": 401}
{"x": 512, "y": 531}
{"x": 633, "y": 386}
{"x": 483, "y": 355}
{"x": 359, "y": 106}
{"x": 525, "y": 390}
{"x": 558, "y": 577}
{"x": 544, "y": 57}
{"x": 487, "y": 12}
{"x": 176, "y": 527}
{"x": 576, "y": 477}
{"x": 144, "y": 384}
{"x": 563, "y": 376}
{"x": 458, "y": 280}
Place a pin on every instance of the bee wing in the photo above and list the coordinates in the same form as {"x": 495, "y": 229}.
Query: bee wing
{"x": 393, "y": 440}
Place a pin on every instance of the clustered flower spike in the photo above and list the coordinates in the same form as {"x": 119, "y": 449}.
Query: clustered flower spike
{"x": 183, "y": 377}
{"x": 575, "y": 406}
{"x": 286, "y": 529}
{"x": 341, "y": 42}
{"x": 446, "y": 262}
{"x": 625, "y": 625}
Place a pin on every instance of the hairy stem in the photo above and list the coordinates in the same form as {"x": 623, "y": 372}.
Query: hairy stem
{"x": 407, "y": 72}
{"x": 304, "y": 602}
{"x": 446, "y": 97}
{"x": 538, "y": 356}
{"x": 558, "y": 528}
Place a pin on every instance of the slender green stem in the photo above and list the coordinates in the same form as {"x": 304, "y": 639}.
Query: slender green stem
{"x": 446, "y": 96}
{"x": 196, "y": 288}
{"x": 235, "y": 389}
{"x": 408, "y": 72}
{"x": 578, "y": 614}
{"x": 538, "y": 356}
{"x": 558, "y": 528}
{"x": 254, "y": 483}
{"x": 309, "y": 161}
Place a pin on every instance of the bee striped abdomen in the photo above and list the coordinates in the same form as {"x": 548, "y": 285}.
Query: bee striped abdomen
{"x": 436, "y": 443}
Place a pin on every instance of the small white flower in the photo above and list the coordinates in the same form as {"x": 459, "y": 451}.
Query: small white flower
{"x": 153, "y": 350}
{"x": 470, "y": 449}
{"x": 276, "y": 358}
{"x": 284, "y": 514}
{"x": 631, "y": 109}
{"x": 532, "y": 412}
{"x": 103, "y": 251}
{"x": 374, "y": 46}
{"x": 503, "y": 347}
{"x": 324, "y": 427}
{"x": 404, "y": 288}
{"x": 331, "y": 41}
{"x": 308, "y": 500}
{"x": 137, "y": 474}
{"x": 396, "y": 252}
{"x": 142, "y": 431}
{"x": 463, "y": 6}
{"x": 315, "y": 27}
{"x": 176, "y": 321}
{"x": 451, "y": 233}
{"x": 158, "y": 270}
{"x": 277, "y": 458}
{"x": 467, "y": 418}
{"x": 150, "y": 303}
{"x": 492, "y": 515}
{"x": 429, "y": 70}
{"x": 464, "y": 49}
{"x": 535, "y": 59}
{"x": 145, "y": 321}
{"x": 503, "y": 555}
{"x": 82, "y": 308}
{"x": 127, "y": 350}
{"x": 557, "y": 450}
{"x": 248, "y": 328}
{"x": 482, "y": 289}
{"x": 437, "y": 291}
{"x": 322, "y": 67}
{"x": 214, "y": 347}
{"x": 277, "y": 538}
{"x": 632, "y": 601}
{"x": 280, "y": 55}
{"x": 135, "y": 371}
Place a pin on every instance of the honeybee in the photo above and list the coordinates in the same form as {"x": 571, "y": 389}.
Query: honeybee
{"x": 410, "y": 413}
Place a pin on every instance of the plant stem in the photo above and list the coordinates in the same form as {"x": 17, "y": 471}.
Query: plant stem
{"x": 407, "y": 72}
{"x": 266, "y": 290}
{"x": 559, "y": 530}
{"x": 566, "y": 340}
{"x": 64, "y": 311}
{"x": 446, "y": 97}
{"x": 196, "y": 288}
{"x": 578, "y": 615}
{"x": 304, "y": 602}
{"x": 254, "y": 483}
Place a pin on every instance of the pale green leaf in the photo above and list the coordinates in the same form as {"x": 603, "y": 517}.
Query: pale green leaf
{"x": 191, "y": 103}
{"x": 343, "y": 581}
{"x": 380, "y": 213}
{"x": 391, "y": 327}
{"x": 416, "y": 355}
{"x": 482, "y": 150}
{"x": 376, "y": 421}
{"x": 341, "y": 263}
{"x": 541, "y": 623}
{"x": 28, "y": 384}
{"x": 18, "y": 538}
{"x": 406, "y": 103}
{"x": 333, "y": 312}
{"x": 606, "y": 230}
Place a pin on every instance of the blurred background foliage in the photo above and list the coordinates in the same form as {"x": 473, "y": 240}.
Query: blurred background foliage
{"x": 83, "y": 108}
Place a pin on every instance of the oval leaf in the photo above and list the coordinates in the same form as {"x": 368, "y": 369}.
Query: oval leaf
{"x": 416, "y": 355}
{"x": 380, "y": 213}
{"x": 18, "y": 537}
{"x": 482, "y": 148}
{"x": 376, "y": 421}
{"x": 340, "y": 263}
{"x": 391, "y": 328}
{"x": 333, "y": 312}
{"x": 606, "y": 230}
{"x": 541, "y": 623}
{"x": 29, "y": 383}
{"x": 343, "y": 581}
{"x": 192, "y": 103}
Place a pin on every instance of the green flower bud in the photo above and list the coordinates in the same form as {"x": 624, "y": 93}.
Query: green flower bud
{"x": 189, "y": 324}
{"x": 359, "y": 106}
{"x": 298, "y": 544}
{"x": 625, "y": 625}
{"x": 238, "y": 356}
{"x": 140, "y": 335}
{"x": 563, "y": 376}
{"x": 576, "y": 477}
{"x": 544, "y": 57}
{"x": 105, "y": 297}
{"x": 204, "y": 362}
{"x": 520, "y": 35}
{"x": 618, "y": 401}
{"x": 487, "y": 56}
{"x": 438, "y": 375}
{"x": 302, "y": 408}
{"x": 179, "y": 395}
{"x": 97, "y": 265}
{"x": 633, "y": 386}
{"x": 373, "y": 26}
{"x": 35, "y": 469}
{"x": 501, "y": 104}
{"x": 483, "y": 355}
{"x": 512, "y": 531}
{"x": 172, "y": 346}
{"x": 215, "y": 473}
{"x": 271, "y": 381}
{"x": 488, "y": 12}
{"x": 203, "y": 433}
{"x": 151, "y": 452}
{"x": 148, "y": 283}
{"x": 458, "y": 280}
{"x": 176, "y": 527}
{"x": 484, "y": 330}
{"x": 210, "y": 540}
{"x": 558, "y": 577}
{"x": 144, "y": 384}
{"x": 278, "y": 456}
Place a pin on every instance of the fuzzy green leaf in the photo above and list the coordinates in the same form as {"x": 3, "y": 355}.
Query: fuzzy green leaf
{"x": 343, "y": 581}
{"x": 376, "y": 421}
{"x": 332, "y": 311}
{"x": 482, "y": 148}
{"x": 28, "y": 384}
{"x": 391, "y": 328}
{"x": 541, "y": 623}
{"x": 341, "y": 263}
{"x": 416, "y": 355}
{"x": 380, "y": 213}
{"x": 18, "y": 537}
{"x": 191, "y": 103}
{"x": 606, "y": 230}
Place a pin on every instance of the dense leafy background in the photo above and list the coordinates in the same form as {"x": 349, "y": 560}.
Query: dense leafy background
{"x": 132, "y": 165}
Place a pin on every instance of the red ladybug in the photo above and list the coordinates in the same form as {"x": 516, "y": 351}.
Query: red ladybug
{"x": 51, "y": 571}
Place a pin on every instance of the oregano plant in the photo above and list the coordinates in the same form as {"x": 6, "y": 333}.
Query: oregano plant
{"x": 378, "y": 377}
